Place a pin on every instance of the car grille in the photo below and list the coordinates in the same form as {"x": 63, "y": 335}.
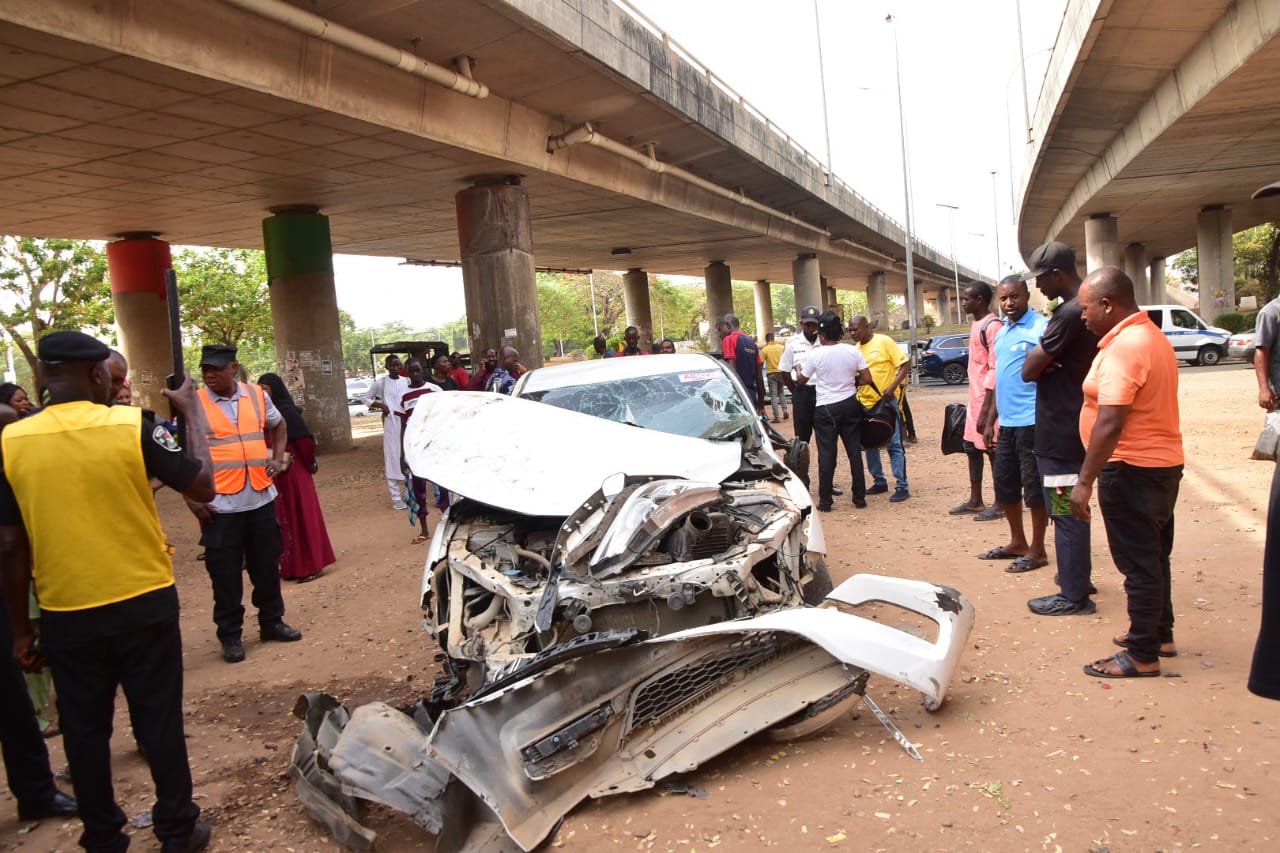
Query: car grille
{"x": 669, "y": 691}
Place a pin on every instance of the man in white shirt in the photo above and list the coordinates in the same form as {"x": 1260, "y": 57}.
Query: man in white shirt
{"x": 835, "y": 371}
{"x": 384, "y": 397}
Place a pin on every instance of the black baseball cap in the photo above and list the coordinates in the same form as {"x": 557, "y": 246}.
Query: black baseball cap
{"x": 1050, "y": 256}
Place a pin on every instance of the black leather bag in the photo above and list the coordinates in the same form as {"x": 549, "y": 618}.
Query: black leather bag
{"x": 953, "y": 428}
{"x": 878, "y": 422}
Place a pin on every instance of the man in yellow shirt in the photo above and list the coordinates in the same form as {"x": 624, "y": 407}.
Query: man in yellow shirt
{"x": 108, "y": 604}
{"x": 771, "y": 352}
{"x": 889, "y": 368}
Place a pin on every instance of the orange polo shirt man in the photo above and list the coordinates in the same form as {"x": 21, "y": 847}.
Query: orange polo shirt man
{"x": 1133, "y": 450}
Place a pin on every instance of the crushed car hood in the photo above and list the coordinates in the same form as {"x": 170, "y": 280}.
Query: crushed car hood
{"x": 538, "y": 459}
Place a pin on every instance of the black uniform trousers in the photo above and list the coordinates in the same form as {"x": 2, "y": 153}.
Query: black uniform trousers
{"x": 236, "y": 542}
{"x": 26, "y": 759}
{"x": 147, "y": 662}
{"x": 804, "y": 400}
{"x": 840, "y": 421}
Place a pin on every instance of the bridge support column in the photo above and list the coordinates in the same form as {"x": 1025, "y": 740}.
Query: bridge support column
{"x": 1135, "y": 266}
{"x": 807, "y": 279}
{"x": 304, "y": 311}
{"x": 495, "y": 236}
{"x": 137, "y": 263}
{"x": 635, "y": 299}
{"x": 1217, "y": 256}
{"x": 1101, "y": 246}
{"x": 944, "y": 304}
{"x": 878, "y": 301}
{"x": 719, "y": 298}
{"x": 1156, "y": 283}
{"x": 764, "y": 310}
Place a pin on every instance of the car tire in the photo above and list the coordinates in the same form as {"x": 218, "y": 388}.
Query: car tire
{"x": 1209, "y": 356}
{"x": 953, "y": 373}
{"x": 815, "y": 591}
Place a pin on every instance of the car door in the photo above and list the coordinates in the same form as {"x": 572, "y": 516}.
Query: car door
{"x": 1183, "y": 332}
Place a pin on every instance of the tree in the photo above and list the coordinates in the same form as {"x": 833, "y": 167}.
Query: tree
{"x": 1256, "y": 266}
{"x": 225, "y": 300}
{"x": 51, "y": 285}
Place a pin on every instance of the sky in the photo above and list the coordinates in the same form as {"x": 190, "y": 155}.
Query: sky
{"x": 961, "y": 96}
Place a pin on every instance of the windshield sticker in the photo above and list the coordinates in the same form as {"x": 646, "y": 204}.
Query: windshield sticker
{"x": 702, "y": 376}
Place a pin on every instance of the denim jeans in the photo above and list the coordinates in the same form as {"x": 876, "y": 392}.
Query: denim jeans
{"x": 1071, "y": 536}
{"x": 897, "y": 457}
{"x": 1137, "y": 509}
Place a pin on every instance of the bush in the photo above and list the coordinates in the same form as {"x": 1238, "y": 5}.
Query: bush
{"x": 1232, "y": 322}
{"x": 1251, "y": 319}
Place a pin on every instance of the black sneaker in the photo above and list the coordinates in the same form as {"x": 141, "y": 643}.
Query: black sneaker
{"x": 279, "y": 633}
{"x": 899, "y": 495}
{"x": 1059, "y": 605}
{"x": 837, "y": 491}
{"x": 878, "y": 489}
{"x": 232, "y": 651}
{"x": 858, "y": 503}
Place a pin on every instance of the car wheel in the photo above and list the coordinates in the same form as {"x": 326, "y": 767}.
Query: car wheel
{"x": 1209, "y": 356}
{"x": 954, "y": 373}
{"x": 815, "y": 591}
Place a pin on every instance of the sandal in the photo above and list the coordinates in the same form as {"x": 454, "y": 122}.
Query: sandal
{"x": 997, "y": 553}
{"x": 1167, "y": 650}
{"x": 1025, "y": 563}
{"x": 962, "y": 509}
{"x": 419, "y": 539}
{"x": 991, "y": 513}
{"x": 1122, "y": 660}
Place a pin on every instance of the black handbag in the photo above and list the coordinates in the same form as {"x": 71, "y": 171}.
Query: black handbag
{"x": 953, "y": 428}
{"x": 878, "y": 422}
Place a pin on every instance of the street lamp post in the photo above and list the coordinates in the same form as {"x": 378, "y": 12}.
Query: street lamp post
{"x": 822, "y": 82}
{"x": 995, "y": 218}
{"x": 906, "y": 196}
{"x": 955, "y": 264}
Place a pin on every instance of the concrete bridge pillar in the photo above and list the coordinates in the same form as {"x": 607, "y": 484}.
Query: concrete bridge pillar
{"x": 807, "y": 279}
{"x": 764, "y": 309}
{"x": 304, "y": 311}
{"x": 719, "y": 299}
{"x": 495, "y": 236}
{"x": 136, "y": 264}
{"x": 1217, "y": 257}
{"x": 945, "y": 311}
{"x": 635, "y": 299}
{"x": 1156, "y": 283}
{"x": 1135, "y": 266}
{"x": 1101, "y": 246}
{"x": 878, "y": 301}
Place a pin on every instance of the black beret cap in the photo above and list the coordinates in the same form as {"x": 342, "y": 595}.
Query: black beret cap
{"x": 57, "y": 347}
{"x": 216, "y": 355}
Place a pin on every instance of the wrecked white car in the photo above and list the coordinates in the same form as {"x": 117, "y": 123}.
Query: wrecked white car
{"x": 620, "y": 594}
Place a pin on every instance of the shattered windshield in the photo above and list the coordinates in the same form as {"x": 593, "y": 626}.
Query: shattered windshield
{"x": 696, "y": 403}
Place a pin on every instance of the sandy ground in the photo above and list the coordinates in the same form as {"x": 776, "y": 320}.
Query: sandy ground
{"x": 1026, "y": 754}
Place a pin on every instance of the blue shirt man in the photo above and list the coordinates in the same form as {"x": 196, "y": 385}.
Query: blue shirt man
{"x": 1015, "y": 399}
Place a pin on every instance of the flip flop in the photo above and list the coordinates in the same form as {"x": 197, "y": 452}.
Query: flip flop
{"x": 997, "y": 553}
{"x": 419, "y": 539}
{"x": 1122, "y": 640}
{"x": 991, "y": 513}
{"x": 962, "y": 509}
{"x": 1025, "y": 564}
{"x": 1127, "y": 669}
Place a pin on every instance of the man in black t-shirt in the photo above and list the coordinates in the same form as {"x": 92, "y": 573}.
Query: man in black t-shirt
{"x": 1058, "y": 366}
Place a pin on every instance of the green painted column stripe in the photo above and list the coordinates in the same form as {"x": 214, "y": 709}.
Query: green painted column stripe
{"x": 297, "y": 243}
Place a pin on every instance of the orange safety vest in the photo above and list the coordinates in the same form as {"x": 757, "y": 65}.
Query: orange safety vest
{"x": 239, "y": 447}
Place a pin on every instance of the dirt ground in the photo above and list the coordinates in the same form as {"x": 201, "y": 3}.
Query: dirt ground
{"x": 1027, "y": 753}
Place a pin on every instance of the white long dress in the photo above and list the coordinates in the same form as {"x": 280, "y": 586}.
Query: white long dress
{"x": 388, "y": 391}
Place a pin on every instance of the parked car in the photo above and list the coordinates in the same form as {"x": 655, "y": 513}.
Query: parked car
{"x": 947, "y": 356}
{"x": 1194, "y": 341}
{"x": 1241, "y": 345}
{"x": 357, "y": 389}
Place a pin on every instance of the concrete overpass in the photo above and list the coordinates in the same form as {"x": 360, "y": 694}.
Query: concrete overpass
{"x": 503, "y": 134}
{"x": 1155, "y": 124}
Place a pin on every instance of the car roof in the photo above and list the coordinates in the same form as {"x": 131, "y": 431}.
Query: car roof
{"x": 618, "y": 367}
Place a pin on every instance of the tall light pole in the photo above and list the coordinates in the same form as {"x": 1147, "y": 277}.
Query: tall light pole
{"x": 906, "y": 194}
{"x": 955, "y": 264}
{"x": 595, "y": 318}
{"x": 822, "y": 82}
{"x": 995, "y": 218}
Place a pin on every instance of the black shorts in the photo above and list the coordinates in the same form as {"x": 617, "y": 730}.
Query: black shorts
{"x": 1017, "y": 475}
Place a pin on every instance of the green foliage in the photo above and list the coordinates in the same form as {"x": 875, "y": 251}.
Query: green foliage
{"x": 1232, "y": 322}
{"x": 225, "y": 300}
{"x": 49, "y": 285}
{"x": 928, "y": 321}
{"x": 1257, "y": 262}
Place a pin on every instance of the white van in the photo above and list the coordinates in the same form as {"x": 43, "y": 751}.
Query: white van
{"x": 1194, "y": 341}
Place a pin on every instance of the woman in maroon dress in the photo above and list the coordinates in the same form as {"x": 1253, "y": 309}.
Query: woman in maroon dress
{"x": 306, "y": 541}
